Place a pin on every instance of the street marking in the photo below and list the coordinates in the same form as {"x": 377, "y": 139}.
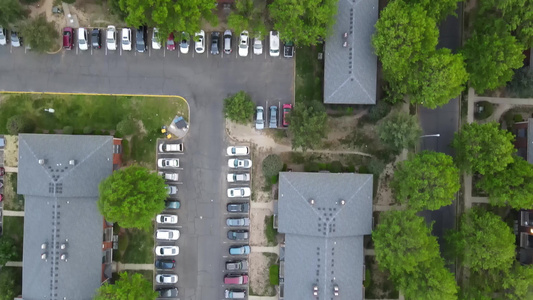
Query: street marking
{"x": 106, "y": 50}
{"x": 10, "y": 48}
{"x": 179, "y": 53}
{"x": 149, "y": 52}
{"x": 120, "y": 50}
{"x": 193, "y": 54}
{"x": 164, "y": 51}
{"x": 76, "y": 50}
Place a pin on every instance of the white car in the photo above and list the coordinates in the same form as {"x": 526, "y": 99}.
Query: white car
{"x": 243, "y": 43}
{"x": 167, "y": 250}
{"x": 126, "y": 39}
{"x": 168, "y": 163}
{"x": 169, "y": 176}
{"x": 166, "y": 278}
{"x": 239, "y": 192}
{"x": 237, "y": 150}
{"x": 184, "y": 43}
{"x": 3, "y": 36}
{"x": 156, "y": 39}
{"x": 171, "y": 189}
{"x": 259, "y": 118}
{"x": 236, "y": 163}
{"x": 233, "y": 177}
{"x": 199, "y": 42}
{"x": 167, "y": 234}
{"x": 164, "y": 147}
{"x": 258, "y": 45}
{"x": 83, "y": 39}
{"x": 274, "y": 43}
{"x": 111, "y": 37}
{"x": 166, "y": 219}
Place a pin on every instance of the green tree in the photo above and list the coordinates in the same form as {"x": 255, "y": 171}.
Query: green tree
{"x": 483, "y": 148}
{"x": 126, "y": 288}
{"x": 132, "y": 196}
{"x": 513, "y": 186}
{"x": 19, "y": 124}
{"x": 272, "y": 165}
{"x": 8, "y": 250}
{"x": 491, "y": 58}
{"x": 516, "y": 14}
{"x": 239, "y": 107}
{"x": 400, "y": 131}
{"x": 483, "y": 241}
{"x": 429, "y": 180}
{"x": 8, "y": 288}
{"x": 247, "y": 16}
{"x": 522, "y": 83}
{"x": 309, "y": 125}
{"x": 439, "y": 9}
{"x": 127, "y": 126}
{"x": 517, "y": 283}
{"x": 10, "y": 12}
{"x": 304, "y": 21}
{"x": 40, "y": 34}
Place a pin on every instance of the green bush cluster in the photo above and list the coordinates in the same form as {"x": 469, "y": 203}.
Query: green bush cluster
{"x": 484, "y": 110}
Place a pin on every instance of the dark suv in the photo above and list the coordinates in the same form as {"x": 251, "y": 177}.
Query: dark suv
{"x": 96, "y": 42}
{"x": 165, "y": 264}
{"x": 238, "y": 235}
{"x": 238, "y": 207}
{"x": 140, "y": 43}
{"x": 215, "y": 42}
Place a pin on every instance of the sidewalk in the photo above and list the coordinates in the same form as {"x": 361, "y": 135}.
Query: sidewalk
{"x": 117, "y": 267}
{"x": 14, "y": 264}
{"x": 262, "y": 298}
{"x": 274, "y": 249}
{"x": 13, "y": 213}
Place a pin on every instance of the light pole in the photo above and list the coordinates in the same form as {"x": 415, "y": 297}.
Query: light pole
{"x": 430, "y": 135}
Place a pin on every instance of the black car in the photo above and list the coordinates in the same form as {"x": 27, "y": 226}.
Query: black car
{"x": 140, "y": 37}
{"x": 238, "y": 207}
{"x": 168, "y": 293}
{"x": 96, "y": 42}
{"x": 215, "y": 42}
{"x": 165, "y": 264}
{"x": 238, "y": 235}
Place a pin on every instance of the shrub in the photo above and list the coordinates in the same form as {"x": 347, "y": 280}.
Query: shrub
{"x": 19, "y": 124}
{"x": 378, "y": 111}
{"x": 239, "y": 107}
{"x": 272, "y": 165}
{"x": 518, "y": 118}
{"x": 87, "y": 130}
{"x": 363, "y": 170}
{"x": 522, "y": 83}
{"x": 68, "y": 130}
{"x": 376, "y": 166}
{"x": 335, "y": 167}
{"x": 484, "y": 110}
{"x": 127, "y": 126}
{"x": 311, "y": 167}
{"x": 273, "y": 275}
{"x": 40, "y": 34}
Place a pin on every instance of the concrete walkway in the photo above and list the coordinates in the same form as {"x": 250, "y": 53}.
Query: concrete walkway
{"x": 13, "y": 213}
{"x": 11, "y": 169}
{"x": 274, "y": 249}
{"x": 262, "y": 205}
{"x": 14, "y": 264}
{"x": 123, "y": 267}
{"x": 262, "y": 298}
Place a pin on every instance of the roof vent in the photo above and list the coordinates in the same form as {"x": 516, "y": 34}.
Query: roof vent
{"x": 42, "y": 161}
{"x": 315, "y": 290}
{"x": 312, "y": 201}
{"x": 342, "y": 202}
{"x": 63, "y": 256}
{"x": 72, "y": 162}
{"x": 336, "y": 290}
{"x": 43, "y": 256}
{"x": 43, "y": 246}
{"x": 63, "y": 246}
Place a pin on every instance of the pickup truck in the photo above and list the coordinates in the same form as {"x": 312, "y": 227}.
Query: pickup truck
{"x": 288, "y": 49}
{"x": 164, "y": 147}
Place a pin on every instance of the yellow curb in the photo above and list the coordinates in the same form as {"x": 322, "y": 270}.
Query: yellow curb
{"x": 56, "y": 52}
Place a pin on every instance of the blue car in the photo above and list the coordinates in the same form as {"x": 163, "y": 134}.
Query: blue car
{"x": 239, "y": 250}
{"x": 173, "y": 204}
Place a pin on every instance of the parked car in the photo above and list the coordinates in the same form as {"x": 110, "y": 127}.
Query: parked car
{"x": 238, "y": 207}
{"x": 168, "y": 293}
{"x": 167, "y": 234}
{"x": 243, "y": 43}
{"x": 236, "y": 163}
{"x": 273, "y": 123}
{"x": 237, "y": 150}
{"x": 168, "y": 163}
{"x": 235, "y": 279}
{"x": 215, "y": 42}
{"x": 238, "y": 222}
{"x": 16, "y": 39}
{"x": 126, "y": 39}
{"x": 171, "y": 43}
{"x": 167, "y": 250}
{"x": 227, "y": 41}
{"x": 173, "y": 204}
{"x": 166, "y": 278}
{"x": 169, "y": 176}
{"x": 3, "y": 36}
{"x": 239, "y": 250}
{"x": 172, "y": 189}
{"x": 111, "y": 37}
{"x": 258, "y": 45}
{"x": 233, "y": 177}
{"x": 274, "y": 43}
{"x": 165, "y": 147}
{"x": 234, "y": 294}
{"x": 166, "y": 219}
{"x": 286, "y": 111}
{"x": 68, "y": 37}
{"x": 239, "y": 192}
{"x": 165, "y": 264}
{"x": 184, "y": 44}
{"x": 95, "y": 38}
{"x": 237, "y": 265}
{"x": 156, "y": 39}
{"x": 288, "y": 49}
{"x": 259, "y": 119}
{"x": 199, "y": 42}
{"x": 238, "y": 235}
{"x": 140, "y": 37}
{"x": 83, "y": 39}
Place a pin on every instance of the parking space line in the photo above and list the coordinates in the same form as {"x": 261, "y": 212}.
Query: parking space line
{"x": 91, "y": 50}
{"x": 149, "y": 52}
{"x": 106, "y": 50}
{"x": 193, "y": 54}
{"x": 76, "y": 50}
{"x": 164, "y": 51}
{"x": 120, "y": 50}
{"x": 179, "y": 54}
{"x": 10, "y": 48}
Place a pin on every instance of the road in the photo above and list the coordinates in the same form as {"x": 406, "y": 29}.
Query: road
{"x": 443, "y": 121}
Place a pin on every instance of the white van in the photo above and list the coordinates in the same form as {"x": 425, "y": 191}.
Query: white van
{"x": 83, "y": 39}
{"x": 274, "y": 43}
{"x": 234, "y": 294}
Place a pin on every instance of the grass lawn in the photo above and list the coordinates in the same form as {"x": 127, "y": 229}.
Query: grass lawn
{"x": 309, "y": 74}
{"x": 95, "y": 114}
{"x": 12, "y": 201}
{"x": 16, "y": 275}
{"x": 14, "y": 228}
{"x": 270, "y": 232}
{"x": 137, "y": 246}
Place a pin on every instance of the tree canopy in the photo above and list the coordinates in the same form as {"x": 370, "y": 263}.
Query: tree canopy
{"x": 8, "y": 250}
{"x": 132, "y": 196}
{"x": 40, "y": 34}
{"x": 126, "y": 288}
{"x": 272, "y": 165}
{"x": 517, "y": 283}
{"x": 483, "y": 242}
{"x": 247, "y": 16}
{"x": 8, "y": 287}
{"x": 429, "y": 180}
{"x": 239, "y": 107}
{"x": 303, "y": 21}
{"x": 483, "y": 148}
{"x": 405, "y": 247}
{"x": 400, "y": 131}
{"x": 10, "y": 12}
{"x": 308, "y": 125}
{"x": 437, "y": 10}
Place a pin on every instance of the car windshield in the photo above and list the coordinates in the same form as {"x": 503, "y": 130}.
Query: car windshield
{"x": 258, "y": 46}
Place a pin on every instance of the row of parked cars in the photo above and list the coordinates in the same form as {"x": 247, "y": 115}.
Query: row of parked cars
{"x": 273, "y": 120}
{"x": 167, "y": 233}
{"x": 239, "y": 222}
{"x": 14, "y": 37}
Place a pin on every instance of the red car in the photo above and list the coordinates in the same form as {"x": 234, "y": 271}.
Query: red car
{"x": 171, "y": 45}
{"x": 286, "y": 110}
{"x": 68, "y": 38}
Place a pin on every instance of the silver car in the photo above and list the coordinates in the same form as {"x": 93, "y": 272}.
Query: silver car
{"x": 273, "y": 123}
{"x": 259, "y": 119}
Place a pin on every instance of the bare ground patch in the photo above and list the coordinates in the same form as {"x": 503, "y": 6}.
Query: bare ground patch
{"x": 257, "y": 226}
{"x": 11, "y": 151}
{"x": 259, "y": 274}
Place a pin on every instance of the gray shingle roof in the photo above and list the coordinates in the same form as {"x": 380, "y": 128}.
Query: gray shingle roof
{"x": 351, "y": 72}
{"x": 60, "y": 208}
{"x": 324, "y": 240}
